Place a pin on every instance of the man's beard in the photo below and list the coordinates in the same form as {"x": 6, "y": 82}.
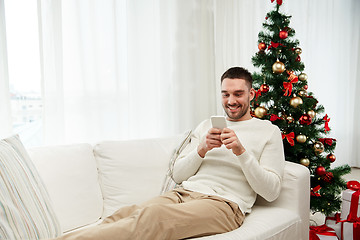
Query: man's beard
{"x": 243, "y": 109}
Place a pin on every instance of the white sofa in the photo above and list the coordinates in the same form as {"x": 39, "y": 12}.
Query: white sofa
{"x": 87, "y": 183}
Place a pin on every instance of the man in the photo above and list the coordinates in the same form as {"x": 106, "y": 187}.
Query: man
{"x": 221, "y": 172}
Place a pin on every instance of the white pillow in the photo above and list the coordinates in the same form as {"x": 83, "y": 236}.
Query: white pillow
{"x": 25, "y": 208}
{"x": 169, "y": 183}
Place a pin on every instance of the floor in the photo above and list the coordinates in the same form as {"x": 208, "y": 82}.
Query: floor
{"x": 319, "y": 218}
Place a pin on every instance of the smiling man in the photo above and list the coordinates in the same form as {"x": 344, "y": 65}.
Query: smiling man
{"x": 221, "y": 171}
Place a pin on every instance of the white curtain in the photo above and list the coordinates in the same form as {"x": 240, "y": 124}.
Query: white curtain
{"x": 125, "y": 69}
{"x": 5, "y": 110}
{"x": 122, "y": 69}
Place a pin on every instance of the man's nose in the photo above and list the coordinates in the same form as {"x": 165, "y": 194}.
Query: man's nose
{"x": 231, "y": 100}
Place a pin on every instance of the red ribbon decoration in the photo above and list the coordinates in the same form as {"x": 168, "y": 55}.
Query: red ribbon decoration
{"x": 258, "y": 93}
{"x": 288, "y": 85}
{"x": 275, "y": 45}
{"x": 274, "y": 117}
{"x": 327, "y": 120}
{"x": 279, "y": 2}
{"x": 289, "y": 137}
{"x": 314, "y": 191}
{"x": 335, "y": 218}
{"x": 328, "y": 141}
{"x": 320, "y": 230}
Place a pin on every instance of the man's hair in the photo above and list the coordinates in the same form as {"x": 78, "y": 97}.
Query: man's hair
{"x": 238, "y": 72}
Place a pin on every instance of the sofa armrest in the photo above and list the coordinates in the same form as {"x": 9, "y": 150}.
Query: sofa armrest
{"x": 295, "y": 193}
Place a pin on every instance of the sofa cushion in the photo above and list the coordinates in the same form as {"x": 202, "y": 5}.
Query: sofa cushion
{"x": 132, "y": 171}
{"x": 70, "y": 175}
{"x": 169, "y": 183}
{"x": 25, "y": 207}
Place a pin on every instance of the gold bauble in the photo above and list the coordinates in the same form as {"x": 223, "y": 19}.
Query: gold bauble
{"x": 318, "y": 147}
{"x": 298, "y": 50}
{"x": 301, "y": 138}
{"x": 278, "y": 67}
{"x": 303, "y": 77}
{"x": 312, "y": 113}
{"x": 296, "y": 101}
{"x": 302, "y": 93}
{"x": 290, "y": 119}
{"x": 260, "y": 112}
{"x": 305, "y": 162}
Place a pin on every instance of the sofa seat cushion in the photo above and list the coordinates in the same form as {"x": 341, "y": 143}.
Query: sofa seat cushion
{"x": 265, "y": 222}
{"x": 132, "y": 171}
{"x": 71, "y": 177}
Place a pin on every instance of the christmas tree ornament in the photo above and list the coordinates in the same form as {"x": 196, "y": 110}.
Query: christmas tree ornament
{"x": 303, "y": 77}
{"x": 305, "y": 87}
{"x": 262, "y": 46}
{"x": 327, "y": 177}
{"x": 283, "y": 34}
{"x": 298, "y": 58}
{"x": 298, "y": 50}
{"x": 305, "y": 162}
{"x": 301, "y": 138}
{"x": 296, "y": 101}
{"x": 327, "y": 120}
{"x": 311, "y": 113}
{"x": 305, "y": 119}
{"x": 278, "y": 67}
{"x": 331, "y": 157}
{"x": 320, "y": 170}
{"x": 290, "y": 119}
{"x": 264, "y": 88}
{"x": 260, "y": 112}
{"x": 302, "y": 93}
{"x": 318, "y": 147}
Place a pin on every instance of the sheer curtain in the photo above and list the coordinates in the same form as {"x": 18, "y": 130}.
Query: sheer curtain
{"x": 125, "y": 69}
{"x": 5, "y": 115}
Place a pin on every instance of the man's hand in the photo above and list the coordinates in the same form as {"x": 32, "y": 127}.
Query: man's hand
{"x": 231, "y": 141}
{"x": 211, "y": 141}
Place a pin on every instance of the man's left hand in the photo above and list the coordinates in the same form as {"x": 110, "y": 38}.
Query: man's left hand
{"x": 231, "y": 141}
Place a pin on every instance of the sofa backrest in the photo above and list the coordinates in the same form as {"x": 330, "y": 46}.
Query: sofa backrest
{"x": 132, "y": 171}
{"x": 70, "y": 176}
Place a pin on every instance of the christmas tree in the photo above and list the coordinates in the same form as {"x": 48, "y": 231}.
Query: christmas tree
{"x": 282, "y": 97}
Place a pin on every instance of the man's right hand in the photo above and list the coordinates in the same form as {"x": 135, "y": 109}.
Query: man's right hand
{"x": 212, "y": 140}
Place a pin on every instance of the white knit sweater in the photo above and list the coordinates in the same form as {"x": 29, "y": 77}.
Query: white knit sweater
{"x": 258, "y": 170}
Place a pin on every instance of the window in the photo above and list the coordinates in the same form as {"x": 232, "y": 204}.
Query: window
{"x": 24, "y": 69}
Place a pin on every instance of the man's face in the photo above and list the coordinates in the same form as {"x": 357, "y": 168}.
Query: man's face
{"x": 236, "y": 97}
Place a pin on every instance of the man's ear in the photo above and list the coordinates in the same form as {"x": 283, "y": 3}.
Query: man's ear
{"x": 252, "y": 93}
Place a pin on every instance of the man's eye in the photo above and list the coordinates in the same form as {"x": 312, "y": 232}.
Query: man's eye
{"x": 225, "y": 95}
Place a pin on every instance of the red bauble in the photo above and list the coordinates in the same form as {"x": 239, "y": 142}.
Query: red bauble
{"x": 305, "y": 87}
{"x": 305, "y": 119}
{"x": 331, "y": 157}
{"x": 262, "y": 46}
{"x": 320, "y": 171}
{"x": 283, "y": 34}
{"x": 327, "y": 177}
{"x": 264, "y": 88}
{"x": 298, "y": 59}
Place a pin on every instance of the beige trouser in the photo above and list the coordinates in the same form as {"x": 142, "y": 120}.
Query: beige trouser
{"x": 178, "y": 214}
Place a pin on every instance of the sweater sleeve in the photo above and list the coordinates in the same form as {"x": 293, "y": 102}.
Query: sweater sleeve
{"x": 265, "y": 175}
{"x": 189, "y": 161}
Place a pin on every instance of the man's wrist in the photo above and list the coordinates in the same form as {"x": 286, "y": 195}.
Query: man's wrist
{"x": 201, "y": 151}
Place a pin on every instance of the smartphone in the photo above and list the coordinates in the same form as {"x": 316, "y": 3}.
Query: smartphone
{"x": 218, "y": 122}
